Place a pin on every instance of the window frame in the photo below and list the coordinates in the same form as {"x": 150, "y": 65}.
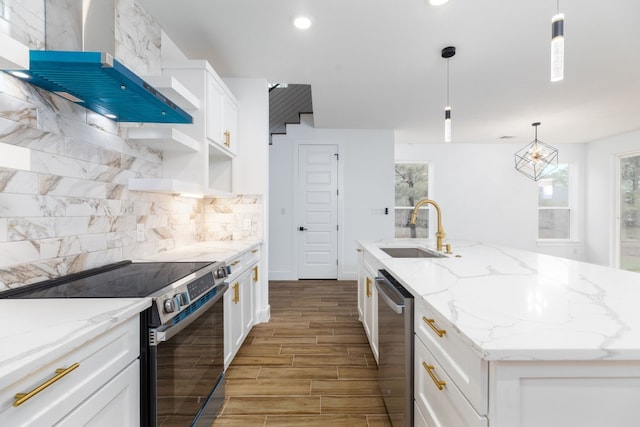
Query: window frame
{"x": 429, "y": 166}
{"x": 572, "y": 204}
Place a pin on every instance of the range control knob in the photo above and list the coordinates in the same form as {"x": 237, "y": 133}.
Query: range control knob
{"x": 185, "y": 298}
{"x": 169, "y": 305}
{"x": 220, "y": 273}
{"x": 177, "y": 299}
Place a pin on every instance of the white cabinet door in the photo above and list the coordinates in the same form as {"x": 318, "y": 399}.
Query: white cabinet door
{"x": 115, "y": 404}
{"x": 213, "y": 111}
{"x": 237, "y": 300}
{"x": 230, "y": 124}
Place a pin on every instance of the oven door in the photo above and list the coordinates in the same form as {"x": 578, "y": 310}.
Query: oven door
{"x": 186, "y": 363}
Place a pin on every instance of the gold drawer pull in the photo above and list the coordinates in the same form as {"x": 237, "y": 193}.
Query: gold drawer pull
{"x": 227, "y": 138}
{"x": 254, "y": 251}
{"x": 23, "y": 397}
{"x": 432, "y": 325}
{"x": 236, "y": 262}
{"x": 255, "y": 273}
{"x": 358, "y": 250}
{"x": 368, "y": 287}
{"x": 236, "y": 293}
{"x": 430, "y": 368}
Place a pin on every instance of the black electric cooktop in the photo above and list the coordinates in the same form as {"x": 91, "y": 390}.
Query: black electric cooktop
{"x": 120, "y": 280}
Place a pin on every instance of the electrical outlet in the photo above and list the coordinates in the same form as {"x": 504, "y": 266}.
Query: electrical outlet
{"x": 140, "y": 232}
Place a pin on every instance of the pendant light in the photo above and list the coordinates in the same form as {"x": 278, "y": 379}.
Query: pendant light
{"x": 536, "y": 159}
{"x": 447, "y": 53}
{"x": 557, "y": 45}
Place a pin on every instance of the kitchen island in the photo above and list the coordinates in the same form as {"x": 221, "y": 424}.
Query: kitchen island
{"x": 523, "y": 339}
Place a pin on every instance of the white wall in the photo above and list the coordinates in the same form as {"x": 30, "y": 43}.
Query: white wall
{"x": 601, "y": 163}
{"x": 483, "y": 198}
{"x": 250, "y": 169}
{"x": 365, "y": 181}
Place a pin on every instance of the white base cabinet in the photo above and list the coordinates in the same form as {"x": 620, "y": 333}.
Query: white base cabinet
{"x": 453, "y": 386}
{"x": 240, "y": 301}
{"x": 103, "y": 387}
{"x": 368, "y": 305}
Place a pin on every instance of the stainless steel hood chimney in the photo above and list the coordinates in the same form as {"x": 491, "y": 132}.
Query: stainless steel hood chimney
{"x": 100, "y": 83}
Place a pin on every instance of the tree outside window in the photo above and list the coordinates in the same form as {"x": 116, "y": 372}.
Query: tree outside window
{"x": 629, "y": 213}
{"x": 412, "y": 183}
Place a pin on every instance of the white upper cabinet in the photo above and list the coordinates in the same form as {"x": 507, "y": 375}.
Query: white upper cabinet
{"x": 203, "y": 152}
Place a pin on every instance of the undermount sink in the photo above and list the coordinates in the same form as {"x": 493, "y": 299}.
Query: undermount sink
{"x": 411, "y": 252}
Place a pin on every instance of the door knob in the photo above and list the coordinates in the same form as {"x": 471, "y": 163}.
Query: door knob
{"x": 302, "y": 228}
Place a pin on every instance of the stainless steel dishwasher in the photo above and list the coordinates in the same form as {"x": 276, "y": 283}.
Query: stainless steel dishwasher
{"x": 395, "y": 345}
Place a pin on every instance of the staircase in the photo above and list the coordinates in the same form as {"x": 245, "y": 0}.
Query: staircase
{"x": 286, "y": 104}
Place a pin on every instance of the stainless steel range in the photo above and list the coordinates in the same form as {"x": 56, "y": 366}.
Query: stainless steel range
{"x": 182, "y": 349}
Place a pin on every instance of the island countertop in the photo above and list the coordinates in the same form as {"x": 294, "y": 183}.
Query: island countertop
{"x": 510, "y": 304}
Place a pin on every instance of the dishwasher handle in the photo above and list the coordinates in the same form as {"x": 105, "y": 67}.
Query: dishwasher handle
{"x": 391, "y": 296}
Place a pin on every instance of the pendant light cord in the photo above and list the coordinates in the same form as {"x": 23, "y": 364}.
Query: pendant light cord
{"x": 448, "y": 82}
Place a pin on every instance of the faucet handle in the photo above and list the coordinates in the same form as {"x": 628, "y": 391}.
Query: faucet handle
{"x": 448, "y": 249}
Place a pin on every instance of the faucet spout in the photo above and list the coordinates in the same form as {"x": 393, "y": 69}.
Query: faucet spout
{"x": 440, "y": 235}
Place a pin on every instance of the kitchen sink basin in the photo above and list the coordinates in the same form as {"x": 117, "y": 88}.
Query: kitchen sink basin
{"x": 412, "y": 252}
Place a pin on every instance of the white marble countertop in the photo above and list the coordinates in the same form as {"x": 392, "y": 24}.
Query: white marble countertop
{"x": 509, "y": 304}
{"x": 221, "y": 250}
{"x": 38, "y": 331}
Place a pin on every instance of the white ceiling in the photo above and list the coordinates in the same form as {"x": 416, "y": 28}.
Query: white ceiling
{"x": 376, "y": 63}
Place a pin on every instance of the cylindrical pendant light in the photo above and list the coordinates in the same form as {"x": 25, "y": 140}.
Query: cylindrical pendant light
{"x": 447, "y": 53}
{"x": 557, "y": 46}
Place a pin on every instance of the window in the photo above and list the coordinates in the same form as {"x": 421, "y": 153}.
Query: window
{"x": 629, "y": 205}
{"x": 412, "y": 183}
{"x": 555, "y": 205}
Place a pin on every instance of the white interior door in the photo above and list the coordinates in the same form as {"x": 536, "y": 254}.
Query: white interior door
{"x": 318, "y": 211}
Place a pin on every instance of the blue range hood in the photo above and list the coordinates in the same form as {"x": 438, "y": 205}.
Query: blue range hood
{"x": 100, "y": 83}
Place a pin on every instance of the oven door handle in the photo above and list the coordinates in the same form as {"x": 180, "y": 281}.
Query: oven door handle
{"x": 166, "y": 332}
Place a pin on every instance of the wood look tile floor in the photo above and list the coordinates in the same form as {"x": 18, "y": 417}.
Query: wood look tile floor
{"x": 310, "y": 365}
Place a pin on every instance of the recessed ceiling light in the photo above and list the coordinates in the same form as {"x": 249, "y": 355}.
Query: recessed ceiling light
{"x": 437, "y": 2}
{"x": 110, "y": 116}
{"x": 302, "y": 22}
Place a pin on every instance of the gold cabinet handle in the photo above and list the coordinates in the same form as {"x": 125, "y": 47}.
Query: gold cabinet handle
{"x": 227, "y": 138}
{"x": 23, "y": 397}
{"x": 432, "y": 325}
{"x": 430, "y": 368}
{"x": 358, "y": 250}
{"x": 236, "y": 262}
{"x": 368, "y": 287}
{"x": 254, "y": 251}
{"x": 255, "y": 273}
{"x": 236, "y": 293}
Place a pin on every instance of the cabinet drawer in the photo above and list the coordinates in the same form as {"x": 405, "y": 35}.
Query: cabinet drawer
{"x": 236, "y": 264}
{"x": 252, "y": 256}
{"x": 98, "y": 360}
{"x": 467, "y": 370}
{"x": 439, "y": 401}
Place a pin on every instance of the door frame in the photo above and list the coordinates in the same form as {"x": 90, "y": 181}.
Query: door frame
{"x": 296, "y": 202}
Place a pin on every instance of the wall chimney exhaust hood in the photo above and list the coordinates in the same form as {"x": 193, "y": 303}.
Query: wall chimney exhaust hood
{"x": 100, "y": 83}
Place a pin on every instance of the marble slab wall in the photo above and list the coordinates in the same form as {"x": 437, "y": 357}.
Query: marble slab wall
{"x": 234, "y": 218}
{"x": 70, "y": 210}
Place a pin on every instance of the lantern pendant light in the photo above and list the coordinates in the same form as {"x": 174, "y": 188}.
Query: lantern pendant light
{"x": 447, "y": 53}
{"x": 536, "y": 159}
{"x": 557, "y": 45}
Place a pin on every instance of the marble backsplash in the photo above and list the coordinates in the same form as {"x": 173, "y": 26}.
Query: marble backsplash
{"x": 71, "y": 210}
